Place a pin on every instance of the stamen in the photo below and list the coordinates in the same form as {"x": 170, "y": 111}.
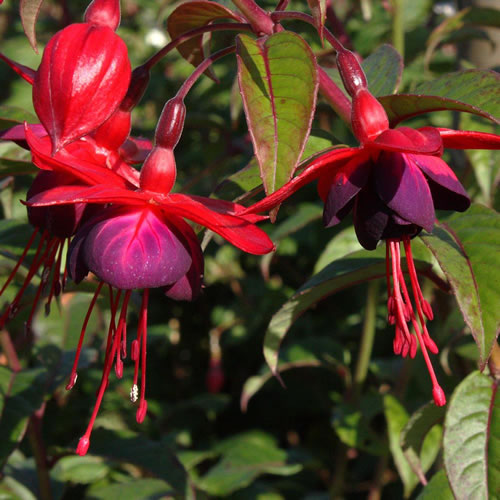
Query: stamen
{"x": 73, "y": 376}
{"x": 21, "y": 259}
{"x": 143, "y": 320}
{"x": 84, "y": 442}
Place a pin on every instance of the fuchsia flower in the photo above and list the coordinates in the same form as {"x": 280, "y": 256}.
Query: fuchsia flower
{"x": 140, "y": 239}
{"x": 392, "y": 184}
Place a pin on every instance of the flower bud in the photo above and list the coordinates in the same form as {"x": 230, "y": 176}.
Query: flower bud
{"x": 353, "y": 76}
{"x": 171, "y": 123}
{"x": 83, "y": 77}
{"x": 83, "y": 446}
{"x": 368, "y": 116}
{"x": 138, "y": 84}
{"x": 103, "y": 13}
{"x": 158, "y": 171}
{"x": 114, "y": 131}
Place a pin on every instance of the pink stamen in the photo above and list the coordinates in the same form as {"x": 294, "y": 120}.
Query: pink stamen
{"x": 84, "y": 442}
{"x": 55, "y": 288}
{"x": 21, "y": 259}
{"x": 143, "y": 320}
{"x": 74, "y": 375}
{"x": 401, "y": 308}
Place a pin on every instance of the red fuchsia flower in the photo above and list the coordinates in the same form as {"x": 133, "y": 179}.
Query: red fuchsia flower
{"x": 140, "y": 240}
{"x": 392, "y": 183}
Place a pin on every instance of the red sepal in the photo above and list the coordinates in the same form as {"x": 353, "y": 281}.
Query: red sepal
{"x": 459, "y": 139}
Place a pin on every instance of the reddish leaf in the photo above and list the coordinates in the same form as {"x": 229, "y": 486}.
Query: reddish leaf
{"x": 192, "y": 15}
{"x": 29, "y": 10}
{"x": 318, "y": 9}
{"x": 278, "y": 82}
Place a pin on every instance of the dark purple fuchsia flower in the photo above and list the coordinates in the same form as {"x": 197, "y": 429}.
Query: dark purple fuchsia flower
{"x": 80, "y": 95}
{"x": 139, "y": 240}
{"x": 392, "y": 184}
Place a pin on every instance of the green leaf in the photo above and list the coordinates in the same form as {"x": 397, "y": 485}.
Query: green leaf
{"x": 472, "y": 91}
{"x": 192, "y": 15}
{"x": 21, "y": 394}
{"x": 415, "y": 431}
{"x": 29, "y": 10}
{"x": 343, "y": 273}
{"x": 244, "y": 458}
{"x": 12, "y": 115}
{"x": 438, "y": 487}
{"x": 472, "y": 439}
{"x": 278, "y": 81}
{"x": 341, "y": 244}
{"x": 247, "y": 181}
{"x": 467, "y": 249}
{"x": 147, "y": 489}
{"x": 315, "y": 351}
{"x": 318, "y": 10}
{"x": 397, "y": 419}
{"x": 466, "y": 17}
{"x": 383, "y": 69}
{"x": 84, "y": 470}
{"x": 15, "y": 160}
{"x": 353, "y": 424}
{"x": 133, "y": 448}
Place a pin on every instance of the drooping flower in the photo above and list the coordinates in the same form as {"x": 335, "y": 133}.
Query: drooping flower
{"x": 392, "y": 184}
{"x": 140, "y": 240}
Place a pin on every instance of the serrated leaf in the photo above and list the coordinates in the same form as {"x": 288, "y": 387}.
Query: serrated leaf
{"x": 414, "y": 433}
{"x": 318, "y": 10}
{"x": 29, "y": 10}
{"x": 469, "y": 16}
{"x": 472, "y": 439}
{"x": 471, "y": 91}
{"x": 315, "y": 352}
{"x": 438, "y": 487}
{"x": 343, "y": 273}
{"x": 192, "y": 15}
{"x": 383, "y": 69}
{"x": 278, "y": 82}
{"x": 467, "y": 249}
{"x": 21, "y": 394}
{"x": 244, "y": 458}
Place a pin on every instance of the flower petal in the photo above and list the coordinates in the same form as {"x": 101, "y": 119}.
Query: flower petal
{"x": 136, "y": 248}
{"x": 404, "y": 189}
{"x": 407, "y": 140}
{"x": 371, "y": 217}
{"x": 311, "y": 172}
{"x": 81, "y": 169}
{"x": 447, "y": 192}
{"x": 346, "y": 184}
{"x": 235, "y": 229}
{"x": 459, "y": 139}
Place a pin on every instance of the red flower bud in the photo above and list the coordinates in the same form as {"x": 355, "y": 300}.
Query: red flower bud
{"x": 368, "y": 116}
{"x": 159, "y": 171}
{"x": 103, "y": 13}
{"x": 171, "y": 123}
{"x": 114, "y": 131}
{"x": 353, "y": 76}
{"x": 83, "y": 77}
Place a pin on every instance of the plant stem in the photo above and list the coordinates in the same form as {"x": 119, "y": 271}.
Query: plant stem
{"x": 334, "y": 95}
{"x": 256, "y": 16}
{"x": 367, "y": 338}
{"x": 398, "y": 33}
{"x": 40, "y": 454}
{"x": 10, "y": 351}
